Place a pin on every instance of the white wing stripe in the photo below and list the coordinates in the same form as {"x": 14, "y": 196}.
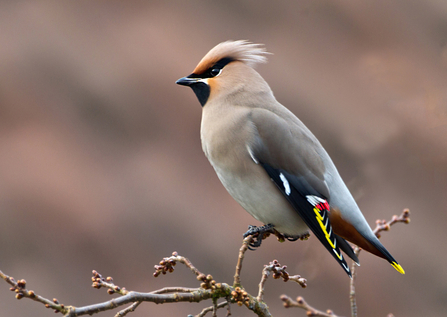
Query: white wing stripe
{"x": 285, "y": 183}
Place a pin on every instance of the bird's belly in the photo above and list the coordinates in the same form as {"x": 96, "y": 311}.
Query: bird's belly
{"x": 258, "y": 195}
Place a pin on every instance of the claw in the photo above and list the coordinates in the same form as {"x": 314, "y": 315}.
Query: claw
{"x": 257, "y": 233}
{"x": 255, "y": 244}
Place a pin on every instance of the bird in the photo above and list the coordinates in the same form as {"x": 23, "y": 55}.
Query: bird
{"x": 269, "y": 161}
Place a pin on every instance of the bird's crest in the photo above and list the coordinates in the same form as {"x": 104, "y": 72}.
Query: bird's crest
{"x": 242, "y": 50}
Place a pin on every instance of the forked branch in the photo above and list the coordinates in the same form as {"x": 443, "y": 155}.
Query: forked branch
{"x": 209, "y": 288}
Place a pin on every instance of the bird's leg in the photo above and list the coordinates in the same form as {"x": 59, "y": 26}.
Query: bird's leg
{"x": 258, "y": 234}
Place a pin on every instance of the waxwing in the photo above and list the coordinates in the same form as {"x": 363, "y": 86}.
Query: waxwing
{"x": 269, "y": 161}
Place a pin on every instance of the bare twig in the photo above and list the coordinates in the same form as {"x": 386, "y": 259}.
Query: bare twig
{"x": 240, "y": 259}
{"x": 127, "y": 297}
{"x": 133, "y": 297}
{"x": 21, "y": 291}
{"x": 352, "y": 298}
{"x": 208, "y": 309}
{"x": 301, "y": 303}
{"x": 278, "y": 272}
{"x": 208, "y": 289}
{"x": 127, "y": 310}
{"x": 99, "y": 281}
{"x": 167, "y": 265}
{"x": 175, "y": 290}
{"x": 381, "y": 225}
{"x": 228, "y": 307}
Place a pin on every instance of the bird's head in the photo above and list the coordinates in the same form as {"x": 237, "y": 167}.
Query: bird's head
{"x": 224, "y": 68}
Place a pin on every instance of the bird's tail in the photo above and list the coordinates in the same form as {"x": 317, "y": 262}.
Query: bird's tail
{"x": 368, "y": 242}
{"x": 386, "y": 255}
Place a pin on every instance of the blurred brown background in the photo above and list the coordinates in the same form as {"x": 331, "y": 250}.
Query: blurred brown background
{"x": 101, "y": 165}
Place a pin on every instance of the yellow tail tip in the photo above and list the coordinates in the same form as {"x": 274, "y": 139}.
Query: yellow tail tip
{"x": 398, "y": 267}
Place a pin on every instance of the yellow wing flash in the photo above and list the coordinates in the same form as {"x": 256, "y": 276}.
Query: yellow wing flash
{"x": 321, "y": 205}
{"x": 320, "y": 208}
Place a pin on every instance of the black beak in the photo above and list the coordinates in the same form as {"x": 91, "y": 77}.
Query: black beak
{"x": 186, "y": 81}
{"x": 200, "y": 88}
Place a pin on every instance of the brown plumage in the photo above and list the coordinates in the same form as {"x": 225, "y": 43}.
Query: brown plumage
{"x": 268, "y": 160}
{"x": 348, "y": 232}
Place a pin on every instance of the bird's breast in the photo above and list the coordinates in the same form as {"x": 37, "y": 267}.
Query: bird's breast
{"x": 227, "y": 144}
{"x": 253, "y": 189}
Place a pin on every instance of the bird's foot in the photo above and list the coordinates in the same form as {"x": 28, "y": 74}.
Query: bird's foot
{"x": 252, "y": 230}
{"x": 258, "y": 234}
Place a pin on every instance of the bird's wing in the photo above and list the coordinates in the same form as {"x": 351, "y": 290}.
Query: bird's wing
{"x": 289, "y": 154}
{"x": 312, "y": 208}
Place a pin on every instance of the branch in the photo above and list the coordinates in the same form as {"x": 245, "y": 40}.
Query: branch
{"x": 133, "y": 297}
{"x": 240, "y": 259}
{"x": 21, "y": 291}
{"x": 352, "y": 298}
{"x": 213, "y": 309}
{"x": 209, "y": 288}
{"x": 129, "y": 309}
{"x": 167, "y": 265}
{"x": 381, "y": 225}
{"x": 278, "y": 272}
{"x": 165, "y": 295}
{"x": 301, "y": 303}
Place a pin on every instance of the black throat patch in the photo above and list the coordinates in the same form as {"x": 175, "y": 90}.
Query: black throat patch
{"x": 202, "y": 92}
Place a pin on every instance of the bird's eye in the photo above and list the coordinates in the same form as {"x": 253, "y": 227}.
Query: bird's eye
{"x": 215, "y": 72}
